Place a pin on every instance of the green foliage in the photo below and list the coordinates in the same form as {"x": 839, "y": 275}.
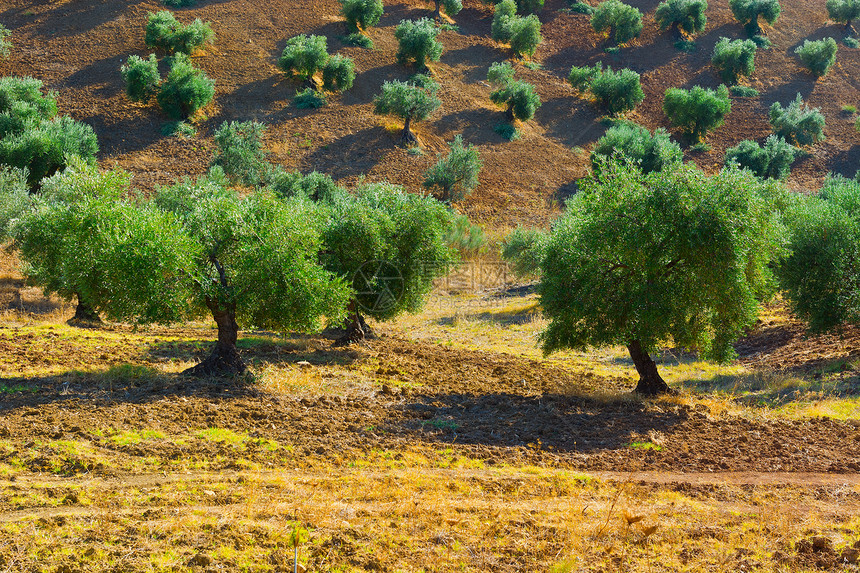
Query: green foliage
{"x": 524, "y": 249}
{"x": 520, "y": 98}
{"x": 843, "y": 11}
{"x": 525, "y": 35}
{"x": 635, "y": 145}
{"x": 309, "y": 98}
{"x": 464, "y": 236}
{"x": 772, "y": 161}
{"x": 178, "y": 3}
{"x": 581, "y": 8}
{"x": 418, "y": 43}
{"x": 141, "y": 77}
{"x": 181, "y": 129}
{"x": 698, "y": 110}
{"x": 743, "y": 91}
{"x": 505, "y": 13}
{"x": 456, "y": 175}
{"x": 15, "y": 198}
{"x": 303, "y": 56}
{"x": 509, "y": 132}
{"x": 240, "y": 151}
{"x": 5, "y": 42}
{"x": 402, "y": 234}
{"x": 408, "y": 101}
{"x": 821, "y": 274}
{"x": 451, "y": 7}
{"x": 361, "y": 14}
{"x": 622, "y": 21}
{"x": 165, "y": 32}
{"x": 529, "y": 6}
{"x": 617, "y": 92}
{"x": 850, "y": 42}
{"x": 797, "y": 123}
{"x": 733, "y": 59}
{"x": 580, "y": 76}
{"x": 686, "y": 46}
{"x": 22, "y": 103}
{"x": 674, "y": 255}
{"x": 748, "y": 12}
{"x": 358, "y": 40}
{"x": 338, "y": 73}
{"x": 687, "y": 15}
{"x": 818, "y": 55}
{"x": 317, "y": 187}
{"x": 185, "y": 90}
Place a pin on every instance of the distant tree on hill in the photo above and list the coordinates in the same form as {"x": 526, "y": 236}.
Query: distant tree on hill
{"x": 240, "y": 151}
{"x": 818, "y": 55}
{"x": 165, "y": 32}
{"x": 411, "y": 101}
{"x": 638, "y": 260}
{"x": 455, "y": 176}
{"x": 521, "y": 33}
{"x": 686, "y": 15}
{"x": 748, "y": 12}
{"x": 771, "y": 161}
{"x": 698, "y": 110}
{"x": 843, "y": 11}
{"x": 519, "y": 98}
{"x": 622, "y": 21}
{"x": 185, "y": 90}
{"x": 418, "y": 43}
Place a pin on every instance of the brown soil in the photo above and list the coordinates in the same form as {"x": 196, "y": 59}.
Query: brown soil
{"x": 77, "y": 48}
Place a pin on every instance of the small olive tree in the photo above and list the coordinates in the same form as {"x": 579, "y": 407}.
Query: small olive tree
{"x": 185, "y": 90}
{"x": 638, "y": 260}
{"x": 798, "y": 123}
{"x": 141, "y": 77}
{"x": 5, "y": 42}
{"x": 635, "y": 145}
{"x": 522, "y": 33}
{"x": 361, "y": 14}
{"x": 818, "y": 55}
{"x": 519, "y": 98}
{"x": 771, "y": 161}
{"x": 239, "y": 151}
{"x": 410, "y": 101}
{"x": 698, "y": 110}
{"x": 733, "y": 59}
{"x": 621, "y": 21}
{"x": 843, "y": 11}
{"x": 686, "y": 16}
{"x": 165, "y": 32}
{"x": 455, "y": 176}
{"x": 616, "y": 91}
{"x": 452, "y": 8}
{"x": 418, "y": 43}
{"x": 303, "y": 56}
{"x": 748, "y": 12}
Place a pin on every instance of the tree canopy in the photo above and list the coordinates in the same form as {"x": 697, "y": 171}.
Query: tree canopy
{"x": 411, "y": 101}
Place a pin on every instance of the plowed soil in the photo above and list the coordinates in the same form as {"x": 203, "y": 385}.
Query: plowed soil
{"x": 77, "y": 48}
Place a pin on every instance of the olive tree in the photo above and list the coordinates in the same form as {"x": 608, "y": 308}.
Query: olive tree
{"x": 698, "y": 110}
{"x": 239, "y": 151}
{"x": 522, "y": 33}
{"x": 141, "y": 77}
{"x": 5, "y": 42}
{"x": 748, "y": 12}
{"x": 524, "y": 250}
{"x": 452, "y": 8}
{"x": 772, "y": 160}
{"x": 634, "y": 144}
{"x": 418, "y": 43}
{"x": 843, "y": 11}
{"x": 389, "y": 245}
{"x": 818, "y": 55}
{"x": 455, "y": 176}
{"x": 733, "y": 59}
{"x": 303, "y": 56}
{"x": 638, "y": 260}
{"x": 683, "y": 15}
{"x": 616, "y": 91}
{"x": 15, "y": 198}
{"x": 165, "y": 32}
{"x": 797, "y": 123}
{"x": 361, "y": 14}
{"x": 622, "y": 21}
{"x": 519, "y": 98}
{"x": 185, "y": 90}
{"x": 410, "y": 101}
{"x": 820, "y": 275}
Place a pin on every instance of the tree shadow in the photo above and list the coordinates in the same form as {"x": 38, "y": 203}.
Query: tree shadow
{"x": 127, "y": 134}
{"x": 12, "y": 298}
{"x": 476, "y": 125}
{"x": 576, "y": 127}
{"x": 846, "y": 162}
{"x": 74, "y": 18}
{"x": 353, "y": 154}
{"x": 105, "y": 71}
{"x": 474, "y": 61}
{"x": 394, "y": 13}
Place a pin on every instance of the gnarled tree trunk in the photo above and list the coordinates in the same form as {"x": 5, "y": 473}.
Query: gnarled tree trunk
{"x": 650, "y": 381}
{"x": 407, "y": 136}
{"x": 224, "y": 359}
{"x": 356, "y": 328}
{"x": 84, "y": 314}
{"x": 438, "y": 14}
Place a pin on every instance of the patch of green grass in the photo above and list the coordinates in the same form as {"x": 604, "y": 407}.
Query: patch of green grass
{"x": 415, "y": 151}
{"x": 445, "y": 27}
{"x": 309, "y": 98}
{"x": 359, "y": 41}
{"x": 612, "y": 50}
{"x": 581, "y": 8}
{"x": 850, "y": 109}
{"x": 743, "y": 91}
{"x": 686, "y": 46}
{"x": 533, "y": 65}
{"x": 507, "y": 131}
{"x": 222, "y": 435}
{"x": 16, "y": 388}
{"x": 129, "y": 437}
{"x": 179, "y": 129}
{"x": 644, "y": 446}
{"x": 441, "y": 424}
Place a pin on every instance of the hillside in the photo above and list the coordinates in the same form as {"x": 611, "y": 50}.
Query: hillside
{"x": 77, "y": 48}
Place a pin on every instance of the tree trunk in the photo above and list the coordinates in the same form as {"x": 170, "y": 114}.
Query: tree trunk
{"x": 650, "y": 381}
{"x": 356, "y": 328}
{"x": 509, "y": 114}
{"x": 407, "y": 136}
{"x": 84, "y": 314}
{"x": 438, "y": 14}
{"x": 225, "y": 359}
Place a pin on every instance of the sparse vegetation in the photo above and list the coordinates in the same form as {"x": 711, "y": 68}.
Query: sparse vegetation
{"x": 411, "y": 101}
{"x": 733, "y": 59}
{"x": 165, "y": 32}
{"x": 748, "y": 12}
{"x": 635, "y": 145}
{"x": 687, "y": 16}
{"x": 455, "y": 176}
{"x": 773, "y": 160}
{"x": 798, "y": 123}
{"x": 818, "y": 55}
{"x": 698, "y": 110}
{"x": 520, "y": 98}
{"x": 418, "y": 43}
{"x": 620, "y": 21}
{"x": 743, "y": 91}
